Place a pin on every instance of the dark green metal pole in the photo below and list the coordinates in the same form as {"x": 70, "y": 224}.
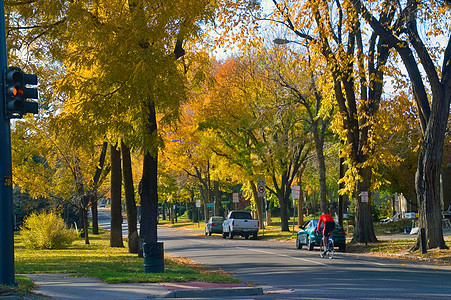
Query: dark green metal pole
{"x": 6, "y": 199}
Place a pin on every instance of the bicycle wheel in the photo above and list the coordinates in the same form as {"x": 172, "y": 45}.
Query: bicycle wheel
{"x": 330, "y": 248}
{"x": 321, "y": 248}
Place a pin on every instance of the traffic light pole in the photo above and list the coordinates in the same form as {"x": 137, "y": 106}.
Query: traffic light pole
{"x": 6, "y": 199}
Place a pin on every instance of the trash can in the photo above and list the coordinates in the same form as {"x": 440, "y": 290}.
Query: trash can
{"x": 153, "y": 254}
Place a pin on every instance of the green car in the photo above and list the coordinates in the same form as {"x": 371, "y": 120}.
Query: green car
{"x": 307, "y": 236}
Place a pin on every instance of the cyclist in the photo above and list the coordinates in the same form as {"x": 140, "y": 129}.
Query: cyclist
{"x": 329, "y": 225}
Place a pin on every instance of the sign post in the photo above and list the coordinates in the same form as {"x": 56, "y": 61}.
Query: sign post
{"x": 295, "y": 191}
{"x": 261, "y": 193}
{"x": 198, "y": 205}
{"x": 364, "y": 199}
{"x": 295, "y": 194}
{"x": 261, "y": 188}
{"x": 236, "y": 199}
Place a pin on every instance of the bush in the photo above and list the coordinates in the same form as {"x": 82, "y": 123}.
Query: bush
{"x": 46, "y": 231}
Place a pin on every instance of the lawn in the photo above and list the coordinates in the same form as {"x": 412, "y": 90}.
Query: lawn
{"x": 112, "y": 265}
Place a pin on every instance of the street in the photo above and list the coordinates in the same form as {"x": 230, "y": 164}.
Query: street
{"x": 302, "y": 274}
{"x": 288, "y": 273}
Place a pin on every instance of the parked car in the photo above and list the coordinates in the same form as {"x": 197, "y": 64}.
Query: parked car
{"x": 307, "y": 236}
{"x": 214, "y": 225}
{"x": 240, "y": 223}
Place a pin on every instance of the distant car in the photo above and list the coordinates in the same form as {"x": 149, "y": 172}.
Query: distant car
{"x": 307, "y": 236}
{"x": 214, "y": 225}
{"x": 102, "y": 204}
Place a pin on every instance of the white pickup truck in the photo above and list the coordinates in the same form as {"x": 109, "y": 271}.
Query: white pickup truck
{"x": 240, "y": 223}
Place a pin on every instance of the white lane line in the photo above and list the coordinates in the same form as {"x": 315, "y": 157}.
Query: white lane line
{"x": 282, "y": 255}
{"x": 298, "y": 258}
{"x": 288, "y": 256}
{"x": 265, "y": 252}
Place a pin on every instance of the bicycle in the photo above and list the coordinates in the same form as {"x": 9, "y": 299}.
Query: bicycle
{"x": 330, "y": 247}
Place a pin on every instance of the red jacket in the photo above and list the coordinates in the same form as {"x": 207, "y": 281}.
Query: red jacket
{"x": 323, "y": 219}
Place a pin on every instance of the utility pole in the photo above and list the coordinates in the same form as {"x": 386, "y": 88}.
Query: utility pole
{"x": 6, "y": 198}
{"x": 15, "y": 91}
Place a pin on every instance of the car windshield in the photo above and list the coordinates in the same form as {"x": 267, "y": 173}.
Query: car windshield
{"x": 216, "y": 220}
{"x": 314, "y": 223}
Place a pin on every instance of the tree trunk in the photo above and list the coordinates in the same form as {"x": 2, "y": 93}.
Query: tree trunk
{"x": 217, "y": 198}
{"x": 116, "y": 187}
{"x": 204, "y": 194}
{"x": 283, "y": 210}
{"x": 133, "y": 239}
{"x": 428, "y": 178}
{"x": 363, "y": 229}
{"x": 85, "y": 225}
{"x": 319, "y": 147}
{"x": 258, "y": 204}
{"x": 148, "y": 185}
{"x": 98, "y": 173}
{"x": 268, "y": 218}
{"x": 95, "y": 216}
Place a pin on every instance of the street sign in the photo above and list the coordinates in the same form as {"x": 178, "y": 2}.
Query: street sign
{"x": 364, "y": 196}
{"x": 295, "y": 191}
{"x": 226, "y": 202}
{"x": 211, "y": 204}
{"x": 198, "y": 203}
{"x": 261, "y": 188}
{"x": 236, "y": 197}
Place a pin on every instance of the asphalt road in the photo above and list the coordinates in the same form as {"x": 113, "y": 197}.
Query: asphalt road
{"x": 288, "y": 273}
{"x": 302, "y": 274}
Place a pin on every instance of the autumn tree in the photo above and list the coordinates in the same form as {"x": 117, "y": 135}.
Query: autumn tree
{"x": 227, "y": 114}
{"x": 119, "y": 65}
{"x": 255, "y": 126}
{"x": 356, "y": 69}
{"x": 309, "y": 87}
{"x": 48, "y": 164}
{"x": 409, "y": 29}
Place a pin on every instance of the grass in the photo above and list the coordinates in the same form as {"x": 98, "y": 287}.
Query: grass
{"x": 400, "y": 248}
{"x": 24, "y": 286}
{"x": 112, "y": 265}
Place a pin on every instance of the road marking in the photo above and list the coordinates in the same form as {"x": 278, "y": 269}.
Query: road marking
{"x": 288, "y": 256}
{"x": 262, "y": 251}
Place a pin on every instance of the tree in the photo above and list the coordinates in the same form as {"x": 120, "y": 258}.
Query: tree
{"x": 255, "y": 126}
{"x": 120, "y": 69}
{"x": 47, "y": 164}
{"x": 308, "y": 93}
{"x": 404, "y": 35}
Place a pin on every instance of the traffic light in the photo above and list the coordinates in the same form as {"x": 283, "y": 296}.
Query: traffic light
{"x": 17, "y": 93}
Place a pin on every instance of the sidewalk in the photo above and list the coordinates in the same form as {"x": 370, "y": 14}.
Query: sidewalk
{"x": 66, "y": 287}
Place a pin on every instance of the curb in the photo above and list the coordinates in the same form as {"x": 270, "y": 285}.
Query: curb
{"x": 204, "y": 293}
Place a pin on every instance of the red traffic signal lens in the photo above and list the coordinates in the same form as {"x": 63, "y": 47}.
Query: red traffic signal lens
{"x": 17, "y": 91}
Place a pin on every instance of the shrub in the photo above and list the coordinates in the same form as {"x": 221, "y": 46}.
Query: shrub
{"x": 46, "y": 231}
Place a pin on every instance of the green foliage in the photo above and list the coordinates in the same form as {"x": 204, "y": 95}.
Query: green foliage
{"x": 46, "y": 231}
